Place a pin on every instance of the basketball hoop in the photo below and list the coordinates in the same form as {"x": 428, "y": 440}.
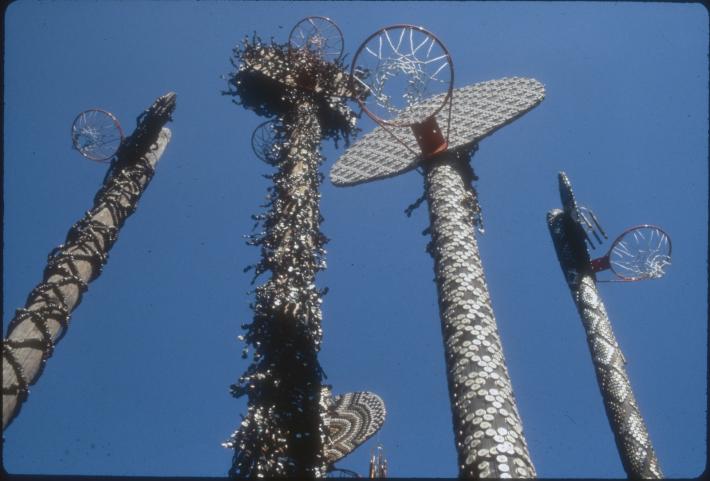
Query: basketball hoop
{"x": 265, "y": 144}
{"x": 400, "y": 67}
{"x": 639, "y": 253}
{"x": 96, "y": 134}
{"x": 408, "y": 75}
{"x": 318, "y": 36}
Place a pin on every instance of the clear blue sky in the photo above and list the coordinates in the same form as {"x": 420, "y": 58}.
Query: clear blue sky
{"x": 139, "y": 385}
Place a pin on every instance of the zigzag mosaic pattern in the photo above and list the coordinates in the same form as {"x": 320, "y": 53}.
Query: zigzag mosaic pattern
{"x": 350, "y": 420}
{"x": 631, "y": 435}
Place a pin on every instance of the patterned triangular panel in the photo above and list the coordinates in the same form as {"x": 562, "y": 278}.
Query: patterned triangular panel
{"x": 477, "y": 111}
{"x": 351, "y": 419}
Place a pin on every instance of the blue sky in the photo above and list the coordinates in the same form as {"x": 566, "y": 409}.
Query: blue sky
{"x": 139, "y": 385}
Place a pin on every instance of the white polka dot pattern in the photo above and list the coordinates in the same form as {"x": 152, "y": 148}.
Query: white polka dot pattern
{"x": 632, "y": 439}
{"x": 487, "y": 427}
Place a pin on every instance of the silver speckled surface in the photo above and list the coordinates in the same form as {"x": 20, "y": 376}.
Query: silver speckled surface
{"x": 283, "y": 431}
{"x": 632, "y": 439}
{"x": 487, "y": 427}
{"x": 34, "y": 329}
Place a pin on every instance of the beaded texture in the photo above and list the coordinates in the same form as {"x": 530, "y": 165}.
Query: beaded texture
{"x": 74, "y": 264}
{"x": 487, "y": 427}
{"x": 351, "y": 419}
{"x": 630, "y": 433}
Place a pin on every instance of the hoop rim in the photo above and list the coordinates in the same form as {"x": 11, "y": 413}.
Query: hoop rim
{"x": 253, "y": 138}
{"x": 116, "y": 123}
{"x": 327, "y": 19}
{"x": 361, "y": 103}
{"x": 621, "y": 236}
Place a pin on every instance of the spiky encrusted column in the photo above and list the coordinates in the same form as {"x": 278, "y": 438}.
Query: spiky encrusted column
{"x": 37, "y": 327}
{"x": 487, "y": 427}
{"x": 283, "y": 432}
{"x": 630, "y": 432}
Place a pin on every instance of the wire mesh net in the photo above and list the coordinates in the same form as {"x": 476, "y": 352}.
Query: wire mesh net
{"x": 96, "y": 134}
{"x": 267, "y": 142}
{"x": 319, "y": 36}
{"x": 642, "y": 252}
{"x": 400, "y": 67}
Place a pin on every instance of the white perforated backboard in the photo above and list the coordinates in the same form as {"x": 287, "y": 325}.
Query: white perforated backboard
{"x": 477, "y": 110}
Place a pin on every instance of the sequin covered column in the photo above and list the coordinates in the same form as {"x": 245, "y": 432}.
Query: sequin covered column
{"x": 37, "y": 327}
{"x": 283, "y": 432}
{"x": 630, "y": 433}
{"x": 487, "y": 426}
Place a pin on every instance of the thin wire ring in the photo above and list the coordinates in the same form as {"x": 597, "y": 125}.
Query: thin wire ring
{"x": 607, "y": 256}
{"x": 359, "y": 100}
{"x": 340, "y": 32}
{"x": 75, "y": 134}
{"x": 254, "y": 140}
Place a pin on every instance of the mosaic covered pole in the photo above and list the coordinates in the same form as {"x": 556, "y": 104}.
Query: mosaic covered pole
{"x": 487, "y": 426}
{"x": 283, "y": 432}
{"x": 36, "y": 328}
{"x": 630, "y": 432}
{"x": 418, "y": 130}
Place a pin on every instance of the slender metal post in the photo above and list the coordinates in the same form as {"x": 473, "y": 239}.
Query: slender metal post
{"x": 282, "y": 434}
{"x": 36, "y": 328}
{"x": 487, "y": 426}
{"x": 630, "y": 432}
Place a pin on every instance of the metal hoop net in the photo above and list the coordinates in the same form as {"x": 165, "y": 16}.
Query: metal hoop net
{"x": 266, "y": 142}
{"x": 642, "y": 252}
{"x": 319, "y": 36}
{"x": 96, "y": 134}
{"x": 400, "y": 67}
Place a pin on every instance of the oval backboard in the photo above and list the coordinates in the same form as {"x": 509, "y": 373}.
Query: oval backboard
{"x": 477, "y": 111}
{"x": 352, "y": 418}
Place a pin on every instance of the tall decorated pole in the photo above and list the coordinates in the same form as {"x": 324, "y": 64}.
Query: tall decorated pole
{"x": 488, "y": 427}
{"x": 378, "y": 462}
{"x": 439, "y": 133}
{"x": 37, "y": 327}
{"x": 642, "y": 252}
{"x": 302, "y": 84}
